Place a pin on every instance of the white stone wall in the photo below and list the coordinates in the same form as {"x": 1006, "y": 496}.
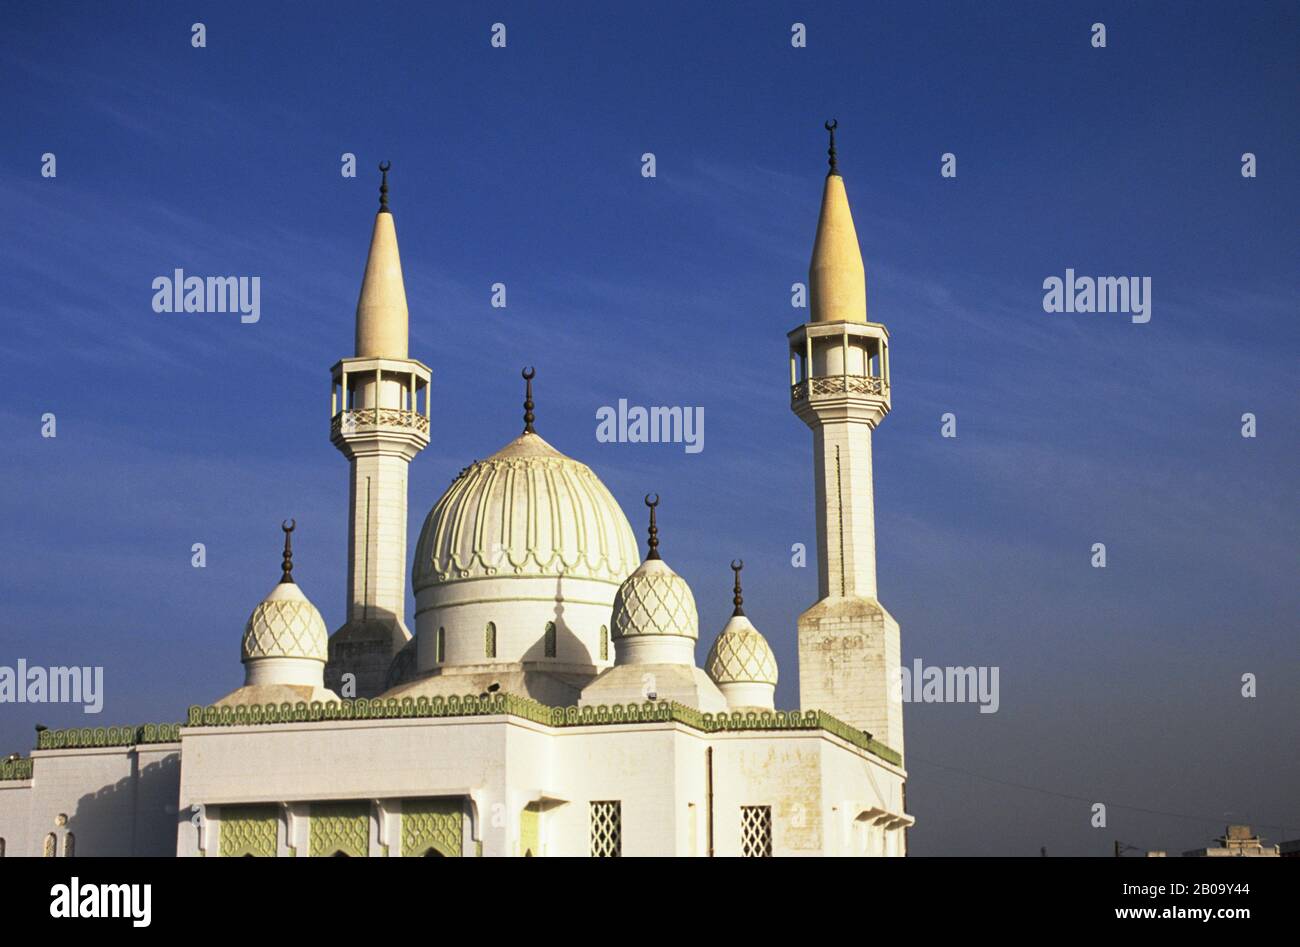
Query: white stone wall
{"x": 815, "y": 783}
{"x": 16, "y": 825}
{"x": 847, "y": 649}
{"x": 377, "y": 539}
{"x": 118, "y": 801}
{"x": 846, "y": 519}
{"x": 826, "y": 796}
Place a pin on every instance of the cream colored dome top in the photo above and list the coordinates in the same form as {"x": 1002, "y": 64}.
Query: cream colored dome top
{"x": 655, "y": 600}
{"x": 526, "y": 510}
{"x": 741, "y": 655}
{"x": 285, "y": 625}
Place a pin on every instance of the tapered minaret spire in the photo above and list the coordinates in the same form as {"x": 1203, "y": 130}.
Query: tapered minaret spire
{"x": 377, "y": 425}
{"x": 837, "y": 280}
{"x": 382, "y": 317}
{"x": 839, "y": 373}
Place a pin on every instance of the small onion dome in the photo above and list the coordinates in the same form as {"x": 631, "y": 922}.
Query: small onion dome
{"x": 655, "y": 600}
{"x": 741, "y": 655}
{"x": 740, "y": 662}
{"x": 285, "y": 625}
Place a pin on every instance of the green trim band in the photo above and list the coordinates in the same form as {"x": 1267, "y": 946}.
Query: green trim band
{"x": 89, "y": 737}
{"x": 16, "y": 769}
{"x": 513, "y": 705}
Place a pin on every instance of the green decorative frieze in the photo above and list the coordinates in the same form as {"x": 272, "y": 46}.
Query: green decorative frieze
{"x": 16, "y": 769}
{"x": 512, "y": 705}
{"x": 75, "y": 738}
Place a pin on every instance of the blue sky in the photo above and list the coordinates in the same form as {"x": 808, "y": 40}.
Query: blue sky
{"x": 522, "y": 165}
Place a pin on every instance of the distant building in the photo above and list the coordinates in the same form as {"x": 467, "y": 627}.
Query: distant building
{"x": 1237, "y": 841}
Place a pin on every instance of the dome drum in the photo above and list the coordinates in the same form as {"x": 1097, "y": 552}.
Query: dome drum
{"x": 519, "y": 609}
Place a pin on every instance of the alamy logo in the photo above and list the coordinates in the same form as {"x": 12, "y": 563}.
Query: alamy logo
{"x": 656, "y": 425}
{"x": 1131, "y": 294}
{"x": 55, "y": 685}
{"x": 946, "y": 685}
{"x": 134, "y": 901}
{"x": 181, "y": 293}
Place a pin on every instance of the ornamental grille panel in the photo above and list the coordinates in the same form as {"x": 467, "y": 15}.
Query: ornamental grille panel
{"x": 606, "y": 829}
{"x": 549, "y": 643}
{"x": 490, "y": 640}
{"x": 435, "y": 825}
{"x": 340, "y": 827}
{"x": 248, "y": 830}
{"x": 820, "y": 386}
{"x": 756, "y": 831}
{"x": 349, "y": 422}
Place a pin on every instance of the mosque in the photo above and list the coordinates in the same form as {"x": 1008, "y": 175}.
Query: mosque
{"x": 548, "y": 702}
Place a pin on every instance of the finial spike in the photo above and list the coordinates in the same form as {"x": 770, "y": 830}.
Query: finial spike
{"x": 654, "y": 529}
{"x": 529, "y": 373}
{"x": 737, "y": 598}
{"x": 830, "y": 127}
{"x": 383, "y": 187}
{"x": 287, "y": 564}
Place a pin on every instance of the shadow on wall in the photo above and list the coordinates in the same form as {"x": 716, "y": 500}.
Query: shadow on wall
{"x": 137, "y": 815}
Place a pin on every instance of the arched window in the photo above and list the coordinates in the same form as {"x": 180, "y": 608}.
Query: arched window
{"x": 549, "y": 640}
{"x": 434, "y": 853}
{"x": 2, "y": 848}
{"x": 604, "y": 643}
{"x": 440, "y": 646}
{"x": 490, "y": 640}
{"x": 69, "y": 845}
{"x": 51, "y": 844}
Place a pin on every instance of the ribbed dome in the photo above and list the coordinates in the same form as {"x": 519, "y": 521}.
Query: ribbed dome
{"x": 741, "y": 655}
{"x": 285, "y": 625}
{"x": 527, "y": 510}
{"x": 655, "y": 600}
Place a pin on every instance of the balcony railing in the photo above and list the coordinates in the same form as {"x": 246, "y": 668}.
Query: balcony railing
{"x": 821, "y": 386}
{"x": 352, "y": 421}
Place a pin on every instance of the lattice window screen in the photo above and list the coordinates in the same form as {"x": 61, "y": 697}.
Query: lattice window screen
{"x": 606, "y": 829}
{"x": 756, "y": 831}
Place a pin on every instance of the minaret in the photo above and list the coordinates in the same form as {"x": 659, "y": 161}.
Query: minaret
{"x": 377, "y": 425}
{"x": 840, "y": 387}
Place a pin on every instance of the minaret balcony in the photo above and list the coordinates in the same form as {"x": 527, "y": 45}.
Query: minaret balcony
{"x": 368, "y": 420}
{"x": 376, "y": 400}
{"x": 839, "y": 370}
{"x": 829, "y": 386}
